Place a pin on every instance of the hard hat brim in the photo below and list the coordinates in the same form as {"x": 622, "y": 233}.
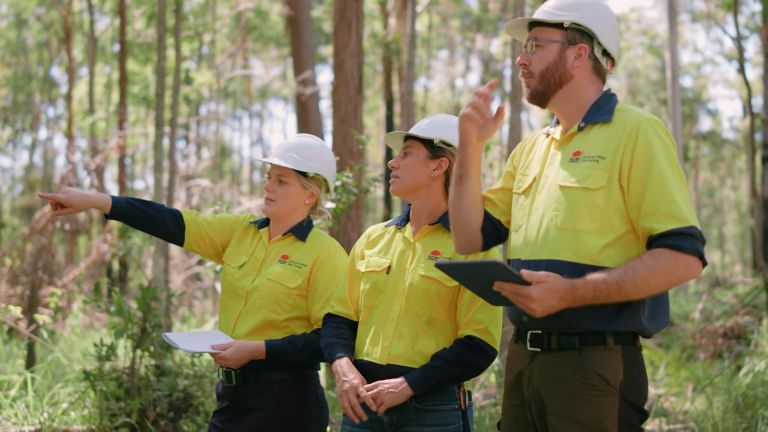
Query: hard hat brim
{"x": 518, "y": 27}
{"x": 282, "y": 163}
{"x": 394, "y": 140}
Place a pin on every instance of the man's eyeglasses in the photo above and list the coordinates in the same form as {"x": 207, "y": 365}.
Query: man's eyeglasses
{"x": 530, "y": 44}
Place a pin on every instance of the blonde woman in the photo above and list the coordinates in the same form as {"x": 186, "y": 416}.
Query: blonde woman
{"x": 277, "y": 276}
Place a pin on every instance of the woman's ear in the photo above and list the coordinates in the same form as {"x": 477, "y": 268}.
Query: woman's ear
{"x": 441, "y": 165}
{"x": 311, "y": 198}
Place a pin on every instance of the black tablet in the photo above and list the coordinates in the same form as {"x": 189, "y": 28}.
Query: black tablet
{"x": 479, "y": 275}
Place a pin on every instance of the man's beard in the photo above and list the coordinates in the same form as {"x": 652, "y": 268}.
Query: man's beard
{"x": 549, "y": 82}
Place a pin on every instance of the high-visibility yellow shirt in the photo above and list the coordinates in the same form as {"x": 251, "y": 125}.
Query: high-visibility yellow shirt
{"x": 269, "y": 289}
{"x": 594, "y": 197}
{"x": 406, "y": 308}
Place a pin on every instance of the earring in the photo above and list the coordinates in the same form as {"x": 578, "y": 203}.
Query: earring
{"x": 433, "y": 174}
{"x": 306, "y": 201}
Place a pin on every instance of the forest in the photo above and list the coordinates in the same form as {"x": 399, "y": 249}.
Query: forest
{"x": 174, "y": 101}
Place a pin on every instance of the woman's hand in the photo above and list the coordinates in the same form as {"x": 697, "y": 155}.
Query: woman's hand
{"x": 71, "y": 200}
{"x": 350, "y": 390}
{"x": 389, "y": 393}
{"x": 237, "y": 353}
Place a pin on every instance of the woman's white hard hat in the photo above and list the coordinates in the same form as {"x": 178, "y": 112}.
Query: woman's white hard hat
{"x": 306, "y": 153}
{"x": 442, "y": 129}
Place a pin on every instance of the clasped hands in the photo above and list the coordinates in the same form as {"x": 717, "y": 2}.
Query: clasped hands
{"x": 353, "y": 391}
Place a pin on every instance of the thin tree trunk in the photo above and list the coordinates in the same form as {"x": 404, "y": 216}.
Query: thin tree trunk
{"x": 307, "y": 91}
{"x": 122, "y": 116}
{"x": 755, "y": 199}
{"x": 764, "y": 184}
{"x": 389, "y": 103}
{"x": 70, "y": 176}
{"x": 673, "y": 79}
{"x": 70, "y": 130}
{"x": 93, "y": 144}
{"x": 348, "y": 109}
{"x": 515, "y": 89}
{"x": 172, "y": 165}
{"x": 406, "y": 23}
{"x": 178, "y": 17}
{"x": 160, "y": 265}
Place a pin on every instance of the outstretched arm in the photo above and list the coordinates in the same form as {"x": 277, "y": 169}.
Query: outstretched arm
{"x": 71, "y": 200}
{"x": 477, "y": 123}
{"x": 149, "y": 217}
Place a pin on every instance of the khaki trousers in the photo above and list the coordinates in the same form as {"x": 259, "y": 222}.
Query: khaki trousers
{"x": 590, "y": 389}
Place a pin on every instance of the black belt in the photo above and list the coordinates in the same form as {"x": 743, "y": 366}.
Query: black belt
{"x": 234, "y": 377}
{"x": 537, "y": 340}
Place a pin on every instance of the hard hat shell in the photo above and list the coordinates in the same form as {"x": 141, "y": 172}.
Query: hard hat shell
{"x": 443, "y": 129}
{"x": 594, "y": 16}
{"x": 307, "y": 153}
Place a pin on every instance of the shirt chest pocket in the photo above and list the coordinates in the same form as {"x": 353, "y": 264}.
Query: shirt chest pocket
{"x": 374, "y": 278}
{"x": 521, "y": 200}
{"x": 581, "y": 200}
{"x": 283, "y": 291}
{"x": 285, "y": 281}
{"x": 432, "y": 294}
{"x": 236, "y": 276}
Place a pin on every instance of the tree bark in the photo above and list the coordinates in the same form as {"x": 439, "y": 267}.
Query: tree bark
{"x": 406, "y": 24}
{"x": 673, "y": 80}
{"x": 348, "y": 109}
{"x": 178, "y": 17}
{"x": 299, "y": 23}
{"x": 70, "y": 175}
{"x": 754, "y": 196}
{"x": 93, "y": 143}
{"x": 515, "y": 89}
{"x": 160, "y": 265}
{"x": 764, "y": 157}
{"x": 389, "y": 104}
{"x": 122, "y": 116}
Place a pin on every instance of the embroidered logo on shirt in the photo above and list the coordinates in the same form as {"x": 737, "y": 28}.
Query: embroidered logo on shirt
{"x": 434, "y": 255}
{"x": 286, "y": 259}
{"x": 579, "y": 157}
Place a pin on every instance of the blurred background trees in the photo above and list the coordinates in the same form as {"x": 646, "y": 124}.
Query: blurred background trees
{"x": 174, "y": 101}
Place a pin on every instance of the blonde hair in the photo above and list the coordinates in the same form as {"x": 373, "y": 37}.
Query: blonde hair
{"x": 316, "y": 184}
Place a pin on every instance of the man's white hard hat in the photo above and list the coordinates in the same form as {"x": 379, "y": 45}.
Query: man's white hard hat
{"x": 594, "y": 16}
{"x": 306, "y": 153}
{"x": 442, "y": 129}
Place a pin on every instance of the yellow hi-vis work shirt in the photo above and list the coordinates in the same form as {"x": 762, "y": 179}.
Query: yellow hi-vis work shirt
{"x": 407, "y": 309}
{"x": 595, "y": 197}
{"x": 269, "y": 289}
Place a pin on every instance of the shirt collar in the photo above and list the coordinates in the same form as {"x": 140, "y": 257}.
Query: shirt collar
{"x": 403, "y": 218}
{"x": 301, "y": 230}
{"x": 601, "y": 111}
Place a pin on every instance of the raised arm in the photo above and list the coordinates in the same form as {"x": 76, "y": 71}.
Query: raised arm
{"x": 477, "y": 123}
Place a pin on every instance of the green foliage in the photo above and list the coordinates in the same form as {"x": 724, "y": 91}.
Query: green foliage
{"x": 707, "y": 371}
{"x": 137, "y": 382}
{"x": 51, "y": 396}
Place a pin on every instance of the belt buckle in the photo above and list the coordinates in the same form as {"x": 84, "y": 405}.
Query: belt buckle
{"x": 228, "y": 376}
{"x": 528, "y": 340}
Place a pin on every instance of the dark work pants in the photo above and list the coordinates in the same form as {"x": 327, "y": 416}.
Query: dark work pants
{"x": 291, "y": 405}
{"x": 437, "y": 411}
{"x": 590, "y": 389}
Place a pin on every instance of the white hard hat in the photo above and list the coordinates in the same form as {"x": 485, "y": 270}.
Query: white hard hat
{"x": 306, "y": 153}
{"x": 442, "y": 129}
{"x": 594, "y": 16}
